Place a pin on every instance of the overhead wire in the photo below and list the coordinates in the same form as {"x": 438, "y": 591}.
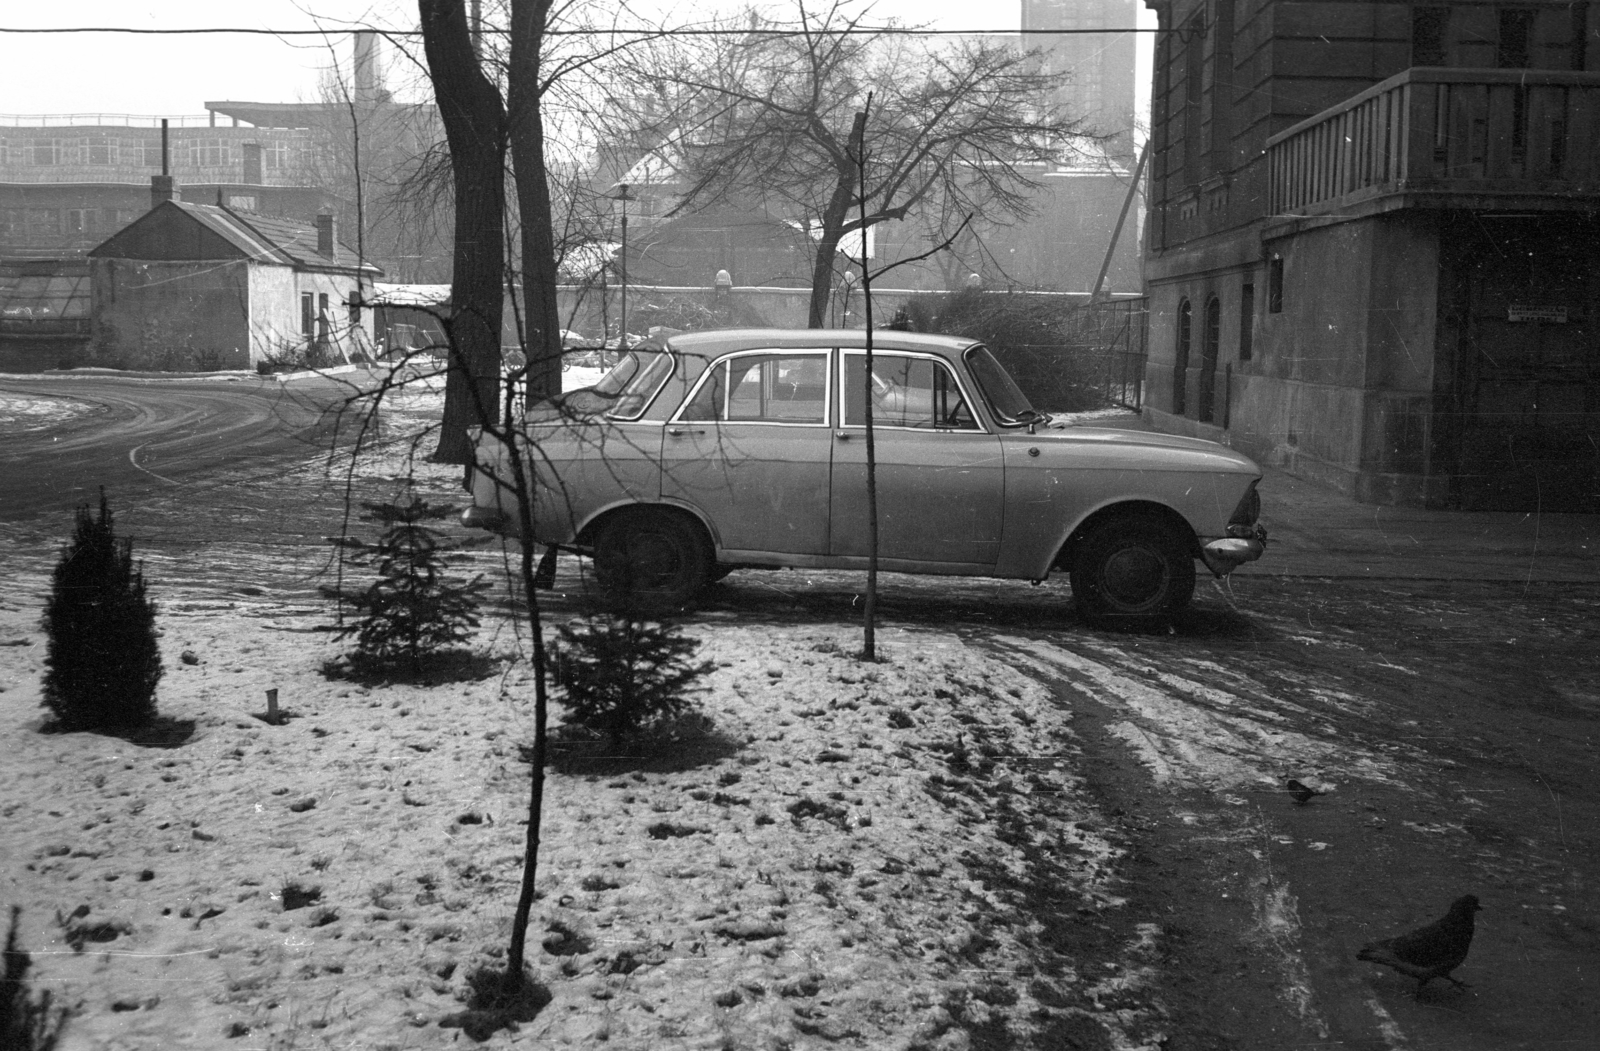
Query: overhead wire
{"x": 593, "y": 31}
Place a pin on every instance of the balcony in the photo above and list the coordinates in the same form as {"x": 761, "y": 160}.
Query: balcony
{"x": 1444, "y": 138}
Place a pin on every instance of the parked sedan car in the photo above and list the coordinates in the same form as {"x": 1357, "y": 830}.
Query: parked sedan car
{"x": 738, "y": 449}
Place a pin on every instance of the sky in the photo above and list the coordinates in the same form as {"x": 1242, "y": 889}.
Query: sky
{"x": 174, "y": 76}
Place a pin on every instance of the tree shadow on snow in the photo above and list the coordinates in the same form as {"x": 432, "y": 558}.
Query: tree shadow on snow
{"x": 161, "y": 732}
{"x": 435, "y": 669}
{"x": 497, "y": 1001}
{"x": 682, "y": 744}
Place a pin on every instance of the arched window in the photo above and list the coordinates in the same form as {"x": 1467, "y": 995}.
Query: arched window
{"x": 1180, "y": 366}
{"x": 1210, "y": 344}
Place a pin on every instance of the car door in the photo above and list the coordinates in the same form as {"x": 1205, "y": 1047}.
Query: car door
{"x": 750, "y": 449}
{"x": 940, "y": 475}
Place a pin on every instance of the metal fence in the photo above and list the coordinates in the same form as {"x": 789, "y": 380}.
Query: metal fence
{"x": 1114, "y": 334}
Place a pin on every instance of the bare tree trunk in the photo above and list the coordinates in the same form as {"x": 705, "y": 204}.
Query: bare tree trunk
{"x": 833, "y": 217}
{"x": 525, "y": 96}
{"x": 475, "y": 129}
{"x": 869, "y": 612}
{"x": 543, "y": 349}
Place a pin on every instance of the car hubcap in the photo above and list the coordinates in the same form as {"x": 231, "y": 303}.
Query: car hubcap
{"x": 650, "y": 561}
{"x": 1135, "y": 577}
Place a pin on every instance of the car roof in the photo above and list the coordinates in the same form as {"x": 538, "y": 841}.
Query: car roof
{"x": 722, "y": 341}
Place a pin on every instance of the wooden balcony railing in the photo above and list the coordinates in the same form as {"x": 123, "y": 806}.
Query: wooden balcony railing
{"x": 1449, "y": 132}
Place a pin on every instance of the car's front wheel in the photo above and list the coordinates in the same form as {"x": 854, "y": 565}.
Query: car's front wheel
{"x": 650, "y": 560}
{"x": 1132, "y": 570}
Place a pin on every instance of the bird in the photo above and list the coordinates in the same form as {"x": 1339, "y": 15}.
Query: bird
{"x": 1301, "y": 792}
{"x": 1429, "y": 952}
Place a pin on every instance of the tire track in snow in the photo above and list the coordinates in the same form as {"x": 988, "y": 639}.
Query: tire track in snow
{"x": 1198, "y": 735}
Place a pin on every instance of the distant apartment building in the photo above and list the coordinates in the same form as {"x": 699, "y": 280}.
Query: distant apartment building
{"x": 1096, "y": 46}
{"x": 1373, "y": 250}
{"x": 1062, "y": 245}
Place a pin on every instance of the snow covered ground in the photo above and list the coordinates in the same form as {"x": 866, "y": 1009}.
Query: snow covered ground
{"x": 813, "y": 867}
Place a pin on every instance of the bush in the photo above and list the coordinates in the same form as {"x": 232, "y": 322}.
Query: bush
{"x": 412, "y": 610}
{"x": 1037, "y": 339}
{"x": 103, "y": 661}
{"x": 620, "y": 673}
{"x": 26, "y": 1024}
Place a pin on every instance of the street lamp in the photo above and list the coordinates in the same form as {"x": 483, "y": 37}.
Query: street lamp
{"x": 622, "y": 196}
{"x": 846, "y": 286}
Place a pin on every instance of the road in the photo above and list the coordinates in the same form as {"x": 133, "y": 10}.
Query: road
{"x": 134, "y": 435}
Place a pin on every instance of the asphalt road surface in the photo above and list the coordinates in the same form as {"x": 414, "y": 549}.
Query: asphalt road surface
{"x": 133, "y": 434}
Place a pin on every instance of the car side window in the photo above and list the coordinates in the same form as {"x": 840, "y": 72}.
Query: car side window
{"x": 764, "y": 388}
{"x": 711, "y": 399}
{"x": 906, "y": 392}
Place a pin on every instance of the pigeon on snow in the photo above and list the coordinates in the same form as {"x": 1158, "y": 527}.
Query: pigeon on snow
{"x": 1429, "y": 952}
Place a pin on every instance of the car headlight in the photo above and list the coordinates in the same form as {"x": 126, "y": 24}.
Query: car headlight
{"x": 1246, "y": 513}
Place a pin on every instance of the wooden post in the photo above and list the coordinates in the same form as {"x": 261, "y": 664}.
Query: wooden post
{"x": 272, "y": 706}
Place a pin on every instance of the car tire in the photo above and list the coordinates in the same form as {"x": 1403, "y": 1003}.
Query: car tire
{"x": 1132, "y": 571}
{"x": 650, "y": 560}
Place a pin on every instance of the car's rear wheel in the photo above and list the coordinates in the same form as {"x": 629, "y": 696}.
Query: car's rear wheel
{"x": 650, "y": 560}
{"x": 1132, "y": 570}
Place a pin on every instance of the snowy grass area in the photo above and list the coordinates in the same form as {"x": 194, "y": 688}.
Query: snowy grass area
{"x": 28, "y": 412}
{"x": 818, "y": 863}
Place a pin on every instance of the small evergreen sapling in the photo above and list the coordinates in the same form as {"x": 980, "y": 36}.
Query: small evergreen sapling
{"x": 412, "y": 610}
{"x": 619, "y": 672}
{"x": 103, "y": 660}
{"x": 26, "y": 1023}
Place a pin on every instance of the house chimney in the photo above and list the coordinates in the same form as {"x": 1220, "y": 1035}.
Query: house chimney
{"x": 326, "y": 242}
{"x": 163, "y": 188}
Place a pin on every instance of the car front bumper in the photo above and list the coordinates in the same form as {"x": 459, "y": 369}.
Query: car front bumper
{"x": 1228, "y": 554}
{"x": 490, "y": 518}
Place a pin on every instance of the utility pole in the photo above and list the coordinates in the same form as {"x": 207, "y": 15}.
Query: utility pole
{"x": 1116, "y": 232}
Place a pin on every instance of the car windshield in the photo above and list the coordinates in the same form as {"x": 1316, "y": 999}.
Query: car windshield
{"x": 633, "y": 381}
{"x": 1005, "y": 398}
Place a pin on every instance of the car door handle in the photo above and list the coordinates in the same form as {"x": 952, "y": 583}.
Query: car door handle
{"x": 680, "y": 431}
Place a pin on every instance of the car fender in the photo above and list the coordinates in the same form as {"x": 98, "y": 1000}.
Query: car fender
{"x": 585, "y": 534}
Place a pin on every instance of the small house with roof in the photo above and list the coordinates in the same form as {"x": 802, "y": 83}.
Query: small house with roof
{"x": 198, "y": 286}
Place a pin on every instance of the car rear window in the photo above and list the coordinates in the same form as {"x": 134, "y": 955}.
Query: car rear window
{"x": 764, "y": 388}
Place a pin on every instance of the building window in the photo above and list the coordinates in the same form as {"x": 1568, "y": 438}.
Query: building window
{"x": 308, "y": 316}
{"x": 1516, "y": 26}
{"x": 1429, "y": 31}
{"x": 1579, "y": 34}
{"x": 252, "y": 163}
{"x": 1247, "y": 320}
{"x": 1180, "y": 366}
{"x": 99, "y": 151}
{"x": 1275, "y": 285}
{"x": 44, "y": 151}
{"x": 208, "y": 153}
{"x": 1210, "y": 347}
{"x": 1193, "y": 35}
